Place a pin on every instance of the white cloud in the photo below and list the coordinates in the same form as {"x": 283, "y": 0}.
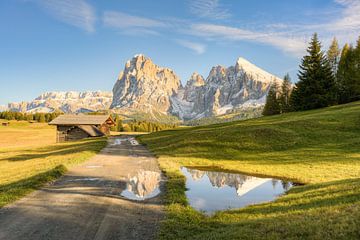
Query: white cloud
{"x": 293, "y": 45}
{"x": 211, "y": 9}
{"x": 77, "y": 13}
{"x": 130, "y": 24}
{"x": 198, "y": 48}
{"x": 347, "y": 27}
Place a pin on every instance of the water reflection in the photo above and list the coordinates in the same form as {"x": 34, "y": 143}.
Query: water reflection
{"x": 210, "y": 191}
{"x": 142, "y": 185}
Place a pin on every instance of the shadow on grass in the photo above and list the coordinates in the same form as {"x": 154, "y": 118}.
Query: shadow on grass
{"x": 58, "y": 150}
{"x": 13, "y": 191}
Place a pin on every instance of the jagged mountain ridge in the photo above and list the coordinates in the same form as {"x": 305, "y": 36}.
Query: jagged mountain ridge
{"x": 225, "y": 89}
{"x": 68, "y": 102}
{"x": 146, "y": 88}
{"x": 143, "y": 86}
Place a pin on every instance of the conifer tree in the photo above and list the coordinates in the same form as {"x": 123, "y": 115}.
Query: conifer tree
{"x": 316, "y": 86}
{"x": 343, "y": 71}
{"x": 272, "y": 105}
{"x": 42, "y": 118}
{"x": 349, "y": 74}
{"x": 285, "y": 94}
{"x": 333, "y": 55}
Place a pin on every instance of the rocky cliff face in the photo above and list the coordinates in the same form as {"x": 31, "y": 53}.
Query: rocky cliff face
{"x": 144, "y": 87}
{"x": 224, "y": 90}
{"x": 68, "y": 102}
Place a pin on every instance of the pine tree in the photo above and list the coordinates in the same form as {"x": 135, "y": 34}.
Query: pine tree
{"x": 285, "y": 94}
{"x": 272, "y": 105}
{"x": 333, "y": 55}
{"x": 316, "y": 86}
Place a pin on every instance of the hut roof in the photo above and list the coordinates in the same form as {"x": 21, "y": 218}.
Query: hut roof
{"x": 80, "y": 119}
{"x": 91, "y": 130}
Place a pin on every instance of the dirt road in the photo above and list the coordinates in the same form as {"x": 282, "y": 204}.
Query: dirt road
{"x": 92, "y": 200}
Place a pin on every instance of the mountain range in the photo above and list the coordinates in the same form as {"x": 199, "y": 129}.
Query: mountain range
{"x": 146, "y": 88}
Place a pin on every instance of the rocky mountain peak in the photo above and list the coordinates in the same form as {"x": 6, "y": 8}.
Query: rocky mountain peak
{"x": 252, "y": 71}
{"x": 144, "y": 86}
{"x": 225, "y": 90}
{"x": 195, "y": 80}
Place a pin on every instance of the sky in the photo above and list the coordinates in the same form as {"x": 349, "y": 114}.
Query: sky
{"x": 79, "y": 45}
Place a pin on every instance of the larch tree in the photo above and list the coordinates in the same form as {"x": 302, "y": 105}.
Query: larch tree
{"x": 333, "y": 55}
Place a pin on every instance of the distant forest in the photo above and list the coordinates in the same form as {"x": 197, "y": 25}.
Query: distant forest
{"x": 140, "y": 126}
{"x": 129, "y": 126}
{"x": 38, "y": 117}
{"x": 325, "y": 79}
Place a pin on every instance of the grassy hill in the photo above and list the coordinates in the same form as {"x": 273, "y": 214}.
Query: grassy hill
{"x": 29, "y": 157}
{"x": 320, "y": 148}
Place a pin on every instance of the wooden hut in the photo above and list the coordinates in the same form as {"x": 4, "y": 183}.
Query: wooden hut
{"x": 75, "y": 127}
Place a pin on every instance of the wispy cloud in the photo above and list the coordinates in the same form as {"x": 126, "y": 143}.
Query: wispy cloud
{"x": 77, "y": 13}
{"x": 131, "y": 24}
{"x": 198, "y": 48}
{"x": 293, "y": 45}
{"x": 211, "y": 9}
{"x": 347, "y": 26}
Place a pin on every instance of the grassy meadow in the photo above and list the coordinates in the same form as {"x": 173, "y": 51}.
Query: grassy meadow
{"x": 319, "y": 148}
{"x": 29, "y": 157}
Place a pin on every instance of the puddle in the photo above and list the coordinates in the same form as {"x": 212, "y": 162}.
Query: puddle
{"x": 117, "y": 141}
{"x": 210, "y": 191}
{"x": 143, "y": 185}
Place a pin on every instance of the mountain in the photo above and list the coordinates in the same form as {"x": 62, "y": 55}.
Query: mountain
{"x": 145, "y": 87}
{"x": 225, "y": 90}
{"x": 68, "y": 102}
{"x": 146, "y": 91}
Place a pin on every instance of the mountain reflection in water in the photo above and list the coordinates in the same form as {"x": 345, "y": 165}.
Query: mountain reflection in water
{"x": 210, "y": 191}
{"x": 143, "y": 185}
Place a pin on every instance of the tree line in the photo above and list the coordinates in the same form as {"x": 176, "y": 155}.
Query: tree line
{"x": 325, "y": 79}
{"x": 38, "y": 117}
{"x": 139, "y": 126}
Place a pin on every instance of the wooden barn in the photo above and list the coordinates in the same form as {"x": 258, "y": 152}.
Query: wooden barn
{"x": 75, "y": 127}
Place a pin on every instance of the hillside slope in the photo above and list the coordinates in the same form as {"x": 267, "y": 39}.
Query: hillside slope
{"x": 320, "y": 148}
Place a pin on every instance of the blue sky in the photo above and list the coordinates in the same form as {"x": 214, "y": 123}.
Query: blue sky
{"x": 61, "y": 45}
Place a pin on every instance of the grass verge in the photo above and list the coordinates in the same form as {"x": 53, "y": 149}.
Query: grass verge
{"x": 319, "y": 148}
{"x": 24, "y": 169}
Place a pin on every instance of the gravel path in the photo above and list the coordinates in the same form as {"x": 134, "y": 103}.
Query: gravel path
{"x": 88, "y": 202}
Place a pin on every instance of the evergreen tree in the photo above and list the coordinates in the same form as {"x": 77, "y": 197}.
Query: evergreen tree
{"x": 316, "y": 86}
{"x": 272, "y": 105}
{"x": 349, "y": 74}
{"x": 333, "y": 55}
{"x": 285, "y": 94}
{"x": 42, "y": 118}
{"x": 343, "y": 71}
{"x": 119, "y": 125}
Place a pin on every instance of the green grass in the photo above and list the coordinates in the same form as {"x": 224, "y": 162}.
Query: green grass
{"x": 320, "y": 148}
{"x": 26, "y": 165}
